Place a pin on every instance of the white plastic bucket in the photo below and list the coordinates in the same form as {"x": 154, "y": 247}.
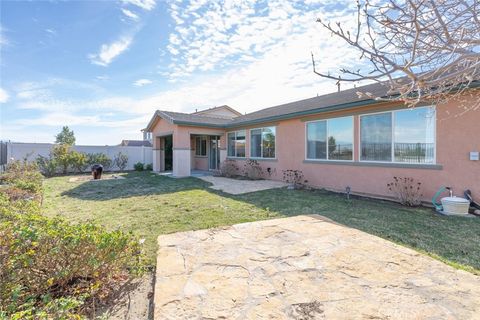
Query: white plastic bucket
{"x": 455, "y": 205}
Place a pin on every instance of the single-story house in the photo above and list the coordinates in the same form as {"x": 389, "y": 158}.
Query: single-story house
{"x": 336, "y": 140}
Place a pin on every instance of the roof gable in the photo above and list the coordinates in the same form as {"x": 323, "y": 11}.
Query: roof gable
{"x": 219, "y": 112}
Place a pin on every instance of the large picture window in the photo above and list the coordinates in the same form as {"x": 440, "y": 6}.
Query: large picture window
{"x": 236, "y": 144}
{"x": 201, "y": 146}
{"x": 330, "y": 139}
{"x": 405, "y": 136}
{"x": 262, "y": 142}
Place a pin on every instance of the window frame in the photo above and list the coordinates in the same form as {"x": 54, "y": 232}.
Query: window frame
{"x": 392, "y": 115}
{"x": 235, "y": 145}
{"x": 326, "y": 143}
{"x": 261, "y": 144}
{"x": 200, "y": 155}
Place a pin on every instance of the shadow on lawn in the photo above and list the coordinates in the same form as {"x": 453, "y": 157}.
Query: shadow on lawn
{"x": 453, "y": 239}
{"x": 135, "y": 184}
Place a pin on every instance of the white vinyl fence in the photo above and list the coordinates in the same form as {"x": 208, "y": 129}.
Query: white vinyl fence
{"x": 30, "y": 151}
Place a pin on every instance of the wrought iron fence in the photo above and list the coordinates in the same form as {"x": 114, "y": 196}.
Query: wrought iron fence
{"x": 402, "y": 152}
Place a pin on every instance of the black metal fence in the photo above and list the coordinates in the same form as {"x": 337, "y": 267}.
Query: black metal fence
{"x": 402, "y": 152}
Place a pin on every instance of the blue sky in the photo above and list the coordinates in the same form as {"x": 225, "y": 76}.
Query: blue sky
{"x": 104, "y": 67}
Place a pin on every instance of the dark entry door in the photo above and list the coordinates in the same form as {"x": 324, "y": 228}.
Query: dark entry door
{"x": 168, "y": 153}
{"x": 214, "y": 153}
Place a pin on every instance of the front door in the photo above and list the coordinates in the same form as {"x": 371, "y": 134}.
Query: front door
{"x": 214, "y": 153}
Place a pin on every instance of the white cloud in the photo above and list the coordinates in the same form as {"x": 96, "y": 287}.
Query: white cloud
{"x": 130, "y": 14}
{"x": 213, "y": 35}
{"x": 253, "y": 62}
{"x": 108, "y": 52}
{"x": 3, "y": 96}
{"x": 144, "y": 4}
{"x": 142, "y": 82}
{"x": 52, "y": 32}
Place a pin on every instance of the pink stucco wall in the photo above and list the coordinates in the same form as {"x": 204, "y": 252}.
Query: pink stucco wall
{"x": 456, "y": 136}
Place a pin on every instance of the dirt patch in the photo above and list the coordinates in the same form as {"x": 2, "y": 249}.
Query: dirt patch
{"x": 90, "y": 178}
{"x": 235, "y": 186}
{"x": 134, "y": 301}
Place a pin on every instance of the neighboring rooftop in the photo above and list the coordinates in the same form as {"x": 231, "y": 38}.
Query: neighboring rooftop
{"x": 224, "y": 112}
{"x": 135, "y": 143}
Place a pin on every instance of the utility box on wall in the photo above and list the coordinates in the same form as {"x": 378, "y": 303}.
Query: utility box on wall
{"x": 475, "y": 156}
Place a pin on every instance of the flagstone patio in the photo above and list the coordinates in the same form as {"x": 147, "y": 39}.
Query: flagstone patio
{"x": 304, "y": 267}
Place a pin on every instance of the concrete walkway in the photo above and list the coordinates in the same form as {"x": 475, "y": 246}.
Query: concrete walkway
{"x": 236, "y": 186}
{"x": 304, "y": 267}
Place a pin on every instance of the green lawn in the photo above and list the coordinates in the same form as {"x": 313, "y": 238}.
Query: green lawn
{"x": 150, "y": 205}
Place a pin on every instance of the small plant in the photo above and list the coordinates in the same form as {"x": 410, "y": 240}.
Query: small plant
{"x": 99, "y": 158}
{"x": 138, "y": 166}
{"x": 406, "y": 190}
{"x": 120, "y": 161}
{"x": 78, "y": 161}
{"x": 229, "y": 169}
{"x": 63, "y": 156}
{"x": 47, "y": 165}
{"x": 23, "y": 175}
{"x": 252, "y": 170}
{"x": 294, "y": 178}
{"x": 149, "y": 167}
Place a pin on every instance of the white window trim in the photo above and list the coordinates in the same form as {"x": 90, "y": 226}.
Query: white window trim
{"x": 326, "y": 159}
{"x": 235, "y": 146}
{"x": 392, "y": 115}
{"x": 261, "y": 144}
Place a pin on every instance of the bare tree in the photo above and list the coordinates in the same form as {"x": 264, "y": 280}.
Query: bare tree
{"x": 422, "y": 50}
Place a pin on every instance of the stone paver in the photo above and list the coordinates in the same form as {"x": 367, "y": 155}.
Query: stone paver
{"x": 236, "y": 186}
{"x": 304, "y": 267}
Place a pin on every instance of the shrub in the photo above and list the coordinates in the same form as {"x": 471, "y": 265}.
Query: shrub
{"x": 53, "y": 269}
{"x": 252, "y": 170}
{"x": 47, "y": 165}
{"x": 23, "y": 175}
{"x": 63, "y": 156}
{"x": 79, "y": 161}
{"x": 120, "y": 161}
{"x": 229, "y": 169}
{"x": 407, "y": 191}
{"x": 294, "y": 178}
{"x": 138, "y": 166}
{"x": 149, "y": 167}
{"x": 14, "y": 194}
{"x": 99, "y": 158}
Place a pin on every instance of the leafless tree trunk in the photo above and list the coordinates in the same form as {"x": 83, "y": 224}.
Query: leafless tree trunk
{"x": 422, "y": 50}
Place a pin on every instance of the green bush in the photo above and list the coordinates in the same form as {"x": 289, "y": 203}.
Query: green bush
{"x": 47, "y": 165}
{"x": 50, "y": 268}
{"x": 78, "y": 161}
{"x": 99, "y": 158}
{"x": 62, "y": 154}
{"x": 121, "y": 161}
{"x": 149, "y": 167}
{"x": 138, "y": 166}
{"x": 23, "y": 175}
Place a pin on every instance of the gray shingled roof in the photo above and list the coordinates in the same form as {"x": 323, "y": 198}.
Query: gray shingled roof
{"x": 333, "y": 101}
{"x": 177, "y": 117}
{"x": 314, "y": 104}
{"x": 289, "y": 110}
